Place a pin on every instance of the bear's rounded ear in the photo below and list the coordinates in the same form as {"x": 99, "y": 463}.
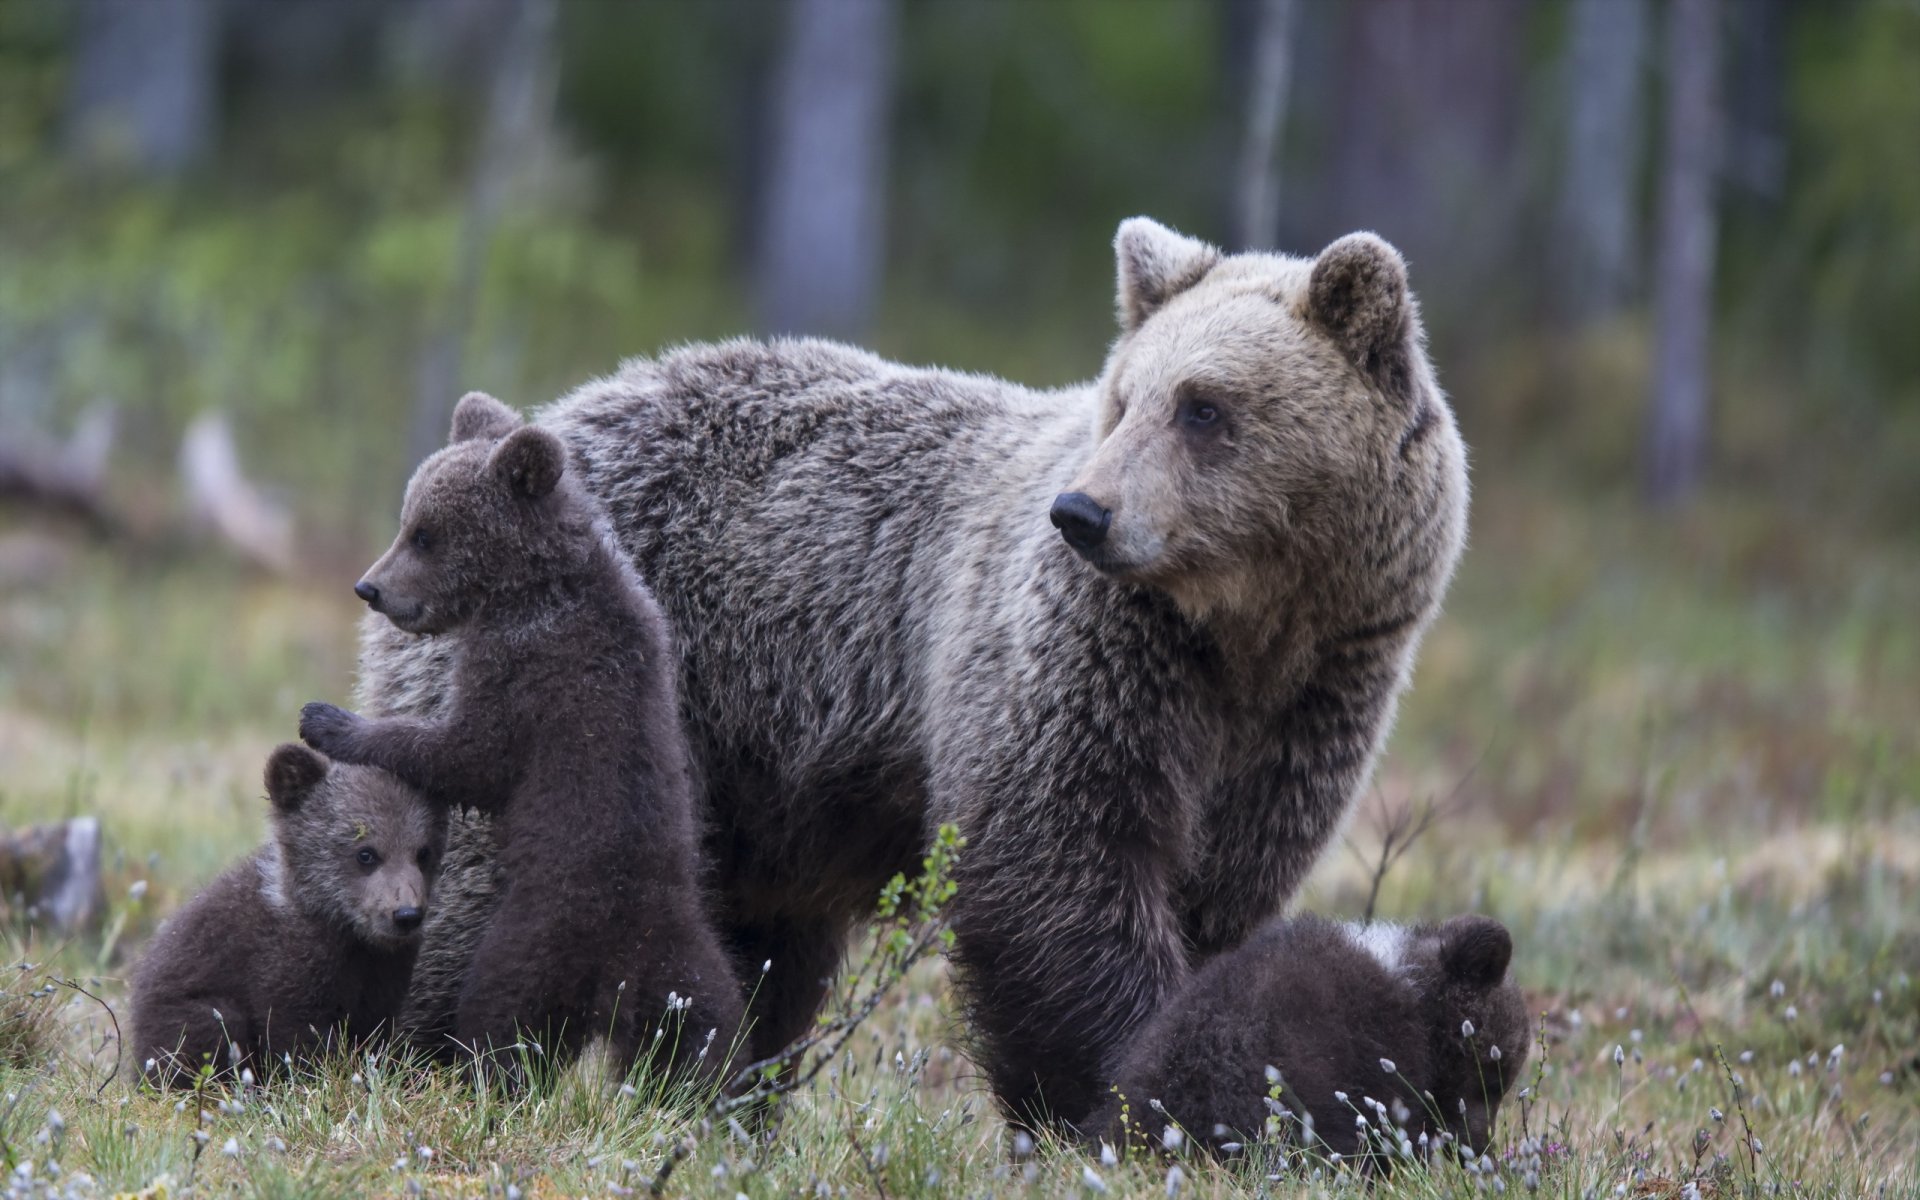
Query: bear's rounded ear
{"x": 1155, "y": 264}
{"x": 1475, "y": 951}
{"x": 479, "y": 415}
{"x": 1358, "y": 296}
{"x": 293, "y": 770}
{"x": 530, "y": 460}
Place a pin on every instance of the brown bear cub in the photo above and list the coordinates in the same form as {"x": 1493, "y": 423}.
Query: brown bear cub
{"x": 308, "y": 943}
{"x": 1382, "y": 1039}
{"x": 563, "y": 721}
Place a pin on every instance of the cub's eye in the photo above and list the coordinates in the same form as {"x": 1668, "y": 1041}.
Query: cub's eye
{"x": 1199, "y": 414}
{"x": 425, "y": 856}
{"x": 422, "y": 540}
{"x": 367, "y": 856}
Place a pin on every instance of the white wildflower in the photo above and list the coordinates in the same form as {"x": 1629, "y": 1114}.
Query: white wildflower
{"x": 1091, "y": 1178}
{"x": 1175, "y": 1177}
{"x": 1466, "y": 1027}
{"x": 1386, "y": 1064}
{"x": 1107, "y": 1157}
{"x": 232, "y": 1148}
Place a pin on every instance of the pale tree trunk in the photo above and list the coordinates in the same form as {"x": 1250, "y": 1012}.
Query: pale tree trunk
{"x": 142, "y": 91}
{"x": 822, "y": 232}
{"x": 1426, "y": 133}
{"x": 514, "y": 139}
{"x": 1599, "y": 221}
{"x": 1676, "y": 433}
{"x": 1256, "y": 209}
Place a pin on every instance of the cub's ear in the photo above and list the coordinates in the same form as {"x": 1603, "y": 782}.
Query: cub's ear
{"x": 530, "y": 460}
{"x": 293, "y": 770}
{"x": 1155, "y": 264}
{"x": 1358, "y": 296}
{"x": 1475, "y": 951}
{"x": 479, "y": 415}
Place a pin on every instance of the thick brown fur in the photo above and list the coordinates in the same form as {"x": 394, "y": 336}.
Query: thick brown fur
{"x": 308, "y": 943}
{"x": 562, "y": 721}
{"x": 1146, "y": 747}
{"x": 1329, "y": 1007}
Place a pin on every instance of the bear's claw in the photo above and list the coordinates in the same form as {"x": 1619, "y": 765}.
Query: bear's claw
{"x": 325, "y": 726}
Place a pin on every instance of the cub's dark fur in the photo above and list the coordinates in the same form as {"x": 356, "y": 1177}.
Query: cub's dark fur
{"x": 563, "y": 721}
{"x": 1324, "y": 1004}
{"x": 309, "y": 941}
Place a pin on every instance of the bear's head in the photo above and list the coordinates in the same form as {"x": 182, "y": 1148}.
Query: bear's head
{"x": 351, "y": 845}
{"x": 1251, "y": 413}
{"x": 491, "y": 512}
{"x": 1476, "y": 1021}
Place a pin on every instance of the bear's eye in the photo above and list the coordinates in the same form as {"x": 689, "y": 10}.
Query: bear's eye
{"x": 425, "y": 856}
{"x": 422, "y": 540}
{"x": 367, "y": 856}
{"x": 1197, "y": 412}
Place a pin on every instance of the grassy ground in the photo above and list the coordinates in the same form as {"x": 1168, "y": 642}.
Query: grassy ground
{"x": 1680, "y": 761}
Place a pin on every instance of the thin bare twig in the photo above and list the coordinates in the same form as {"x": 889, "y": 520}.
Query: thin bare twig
{"x": 1401, "y": 828}
{"x": 118, "y": 1043}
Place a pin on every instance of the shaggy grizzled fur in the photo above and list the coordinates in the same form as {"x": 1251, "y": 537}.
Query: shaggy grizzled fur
{"x": 562, "y": 721}
{"x": 1324, "y": 1004}
{"x": 1146, "y": 743}
{"x": 308, "y": 941}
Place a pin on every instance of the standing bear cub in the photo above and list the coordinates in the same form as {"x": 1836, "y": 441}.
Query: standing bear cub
{"x": 562, "y": 721}
{"x": 309, "y": 942}
{"x": 1415, "y": 1029}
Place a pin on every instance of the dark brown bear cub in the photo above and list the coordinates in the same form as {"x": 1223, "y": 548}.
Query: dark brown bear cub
{"x": 563, "y": 720}
{"x": 1413, "y": 1029}
{"x": 307, "y": 943}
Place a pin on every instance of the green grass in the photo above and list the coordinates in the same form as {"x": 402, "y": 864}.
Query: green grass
{"x": 1683, "y": 767}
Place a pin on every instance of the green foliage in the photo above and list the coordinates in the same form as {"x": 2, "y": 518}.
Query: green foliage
{"x": 1856, "y": 213}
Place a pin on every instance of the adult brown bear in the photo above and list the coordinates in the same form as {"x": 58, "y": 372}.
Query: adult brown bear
{"x": 1140, "y": 638}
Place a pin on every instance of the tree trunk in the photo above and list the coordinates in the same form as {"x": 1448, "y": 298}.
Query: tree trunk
{"x": 1424, "y": 143}
{"x": 1599, "y": 219}
{"x": 514, "y": 139}
{"x": 823, "y": 224}
{"x": 1676, "y": 433}
{"x": 1256, "y": 208}
{"x": 142, "y": 92}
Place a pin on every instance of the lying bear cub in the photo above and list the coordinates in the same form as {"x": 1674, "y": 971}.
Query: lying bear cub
{"x": 1376, "y": 1032}
{"x": 308, "y": 943}
{"x": 563, "y": 721}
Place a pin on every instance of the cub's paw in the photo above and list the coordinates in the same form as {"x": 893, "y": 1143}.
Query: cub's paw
{"x": 327, "y": 728}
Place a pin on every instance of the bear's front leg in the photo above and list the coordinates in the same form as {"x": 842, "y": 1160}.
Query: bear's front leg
{"x": 455, "y": 762}
{"x": 1066, "y": 935}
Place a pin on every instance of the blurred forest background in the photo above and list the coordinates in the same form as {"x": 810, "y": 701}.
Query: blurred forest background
{"x": 1669, "y": 253}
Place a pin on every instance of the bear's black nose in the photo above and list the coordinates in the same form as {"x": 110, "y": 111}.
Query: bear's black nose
{"x": 406, "y": 920}
{"x": 366, "y": 591}
{"x": 1080, "y": 519}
